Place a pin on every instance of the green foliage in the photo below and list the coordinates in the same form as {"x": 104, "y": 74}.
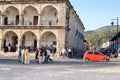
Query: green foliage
{"x": 97, "y": 38}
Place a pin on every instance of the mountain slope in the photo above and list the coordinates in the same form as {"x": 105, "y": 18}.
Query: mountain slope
{"x": 107, "y": 27}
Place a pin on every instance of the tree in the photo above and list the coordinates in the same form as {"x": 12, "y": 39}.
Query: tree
{"x": 97, "y": 38}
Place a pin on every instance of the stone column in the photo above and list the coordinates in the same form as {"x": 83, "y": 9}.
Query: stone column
{"x": 18, "y": 45}
{"x": 1, "y": 38}
{"x": 58, "y": 47}
{"x": 38, "y": 43}
{"x": 39, "y": 16}
{"x": 0, "y": 44}
{"x": 20, "y": 19}
{"x": 19, "y": 41}
{"x": 60, "y": 42}
{"x": 2, "y": 19}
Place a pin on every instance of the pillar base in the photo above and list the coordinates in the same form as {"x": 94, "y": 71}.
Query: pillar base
{"x": 1, "y": 52}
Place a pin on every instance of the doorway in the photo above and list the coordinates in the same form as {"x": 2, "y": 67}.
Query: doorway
{"x": 17, "y": 19}
{"x": 15, "y": 41}
{"x": 35, "y": 43}
{"x": 4, "y": 45}
{"x": 35, "y": 20}
{"x": 6, "y": 21}
{"x": 23, "y": 41}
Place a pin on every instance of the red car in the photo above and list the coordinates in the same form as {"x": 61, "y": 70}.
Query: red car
{"x": 95, "y": 56}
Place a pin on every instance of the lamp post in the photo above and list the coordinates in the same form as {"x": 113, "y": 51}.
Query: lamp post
{"x": 112, "y": 23}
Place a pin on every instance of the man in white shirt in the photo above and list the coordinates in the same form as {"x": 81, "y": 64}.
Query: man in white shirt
{"x": 48, "y": 54}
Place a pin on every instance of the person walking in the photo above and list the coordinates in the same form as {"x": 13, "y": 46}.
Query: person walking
{"x": 45, "y": 57}
{"x": 36, "y": 55}
{"x": 20, "y": 55}
{"x": 69, "y": 53}
{"x": 64, "y": 53}
{"x": 23, "y": 55}
{"x": 26, "y": 61}
{"x": 40, "y": 56}
{"x": 48, "y": 54}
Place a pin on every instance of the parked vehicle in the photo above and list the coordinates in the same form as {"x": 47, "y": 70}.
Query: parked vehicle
{"x": 110, "y": 53}
{"x": 105, "y": 51}
{"x": 95, "y": 56}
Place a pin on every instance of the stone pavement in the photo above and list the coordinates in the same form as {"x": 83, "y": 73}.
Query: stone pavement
{"x": 60, "y": 69}
{"x": 14, "y": 56}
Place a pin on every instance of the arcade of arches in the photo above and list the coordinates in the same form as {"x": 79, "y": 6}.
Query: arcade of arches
{"x": 29, "y": 16}
{"x": 28, "y": 39}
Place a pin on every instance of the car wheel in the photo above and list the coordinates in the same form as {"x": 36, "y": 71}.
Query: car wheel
{"x": 105, "y": 60}
{"x": 86, "y": 60}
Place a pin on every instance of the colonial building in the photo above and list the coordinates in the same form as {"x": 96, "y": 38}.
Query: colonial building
{"x": 115, "y": 43}
{"x": 40, "y": 22}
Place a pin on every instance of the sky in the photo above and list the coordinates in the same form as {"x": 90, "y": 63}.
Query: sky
{"x": 97, "y": 13}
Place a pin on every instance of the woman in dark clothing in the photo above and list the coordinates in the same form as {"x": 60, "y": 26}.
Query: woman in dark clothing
{"x": 36, "y": 55}
{"x": 69, "y": 53}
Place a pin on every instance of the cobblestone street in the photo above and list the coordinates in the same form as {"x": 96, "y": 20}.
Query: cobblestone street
{"x": 60, "y": 69}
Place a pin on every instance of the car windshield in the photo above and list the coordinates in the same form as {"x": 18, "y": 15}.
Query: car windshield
{"x": 90, "y": 52}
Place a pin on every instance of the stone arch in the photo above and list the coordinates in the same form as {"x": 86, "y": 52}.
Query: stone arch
{"x": 11, "y": 15}
{"x": 49, "y": 15}
{"x": 49, "y": 38}
{"x": 48, "y": 6}
{"x": 10, "y": 38}
{"x": 29, "y": 39}
{"x": 31, "y": 6}
{"x": 30, "y": 15}
{"x": 11, "y": 6}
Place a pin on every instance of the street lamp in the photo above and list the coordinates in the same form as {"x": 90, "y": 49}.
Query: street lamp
{"x": 112, "y": 23}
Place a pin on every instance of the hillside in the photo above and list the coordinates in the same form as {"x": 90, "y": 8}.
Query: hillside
{"x": 107, "y": 27}
{"x": 99, "y": 36}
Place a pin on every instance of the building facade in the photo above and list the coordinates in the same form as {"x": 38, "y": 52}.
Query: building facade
{"x": 38, "y": 23}
{"x": 115, "y": 44}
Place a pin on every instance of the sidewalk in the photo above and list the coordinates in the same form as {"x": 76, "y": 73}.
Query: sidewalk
{"x": 115, "y": 59}
{"x": 14, "y": 55}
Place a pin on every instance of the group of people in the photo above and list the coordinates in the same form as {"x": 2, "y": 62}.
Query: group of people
{"x": 23, "y": 56}
{"x": 67, "y": 53}
{"x": 42, "y": 55}
{"x": 10, "y": 48}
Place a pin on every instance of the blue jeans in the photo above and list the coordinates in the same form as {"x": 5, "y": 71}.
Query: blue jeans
{"x": 46, "y": 59}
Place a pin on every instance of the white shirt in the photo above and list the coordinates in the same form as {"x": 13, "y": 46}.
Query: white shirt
{"x": 48, "y": 52}
{"x": 64, "y": 51}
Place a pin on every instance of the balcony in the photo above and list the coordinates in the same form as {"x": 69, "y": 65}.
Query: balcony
{"x": 30, "y": 27}
{"x": 49, "y": 22}
{"x": 9, "y": 22}
{"x": 28, "y": 22}
{"x": 31, "y": 22}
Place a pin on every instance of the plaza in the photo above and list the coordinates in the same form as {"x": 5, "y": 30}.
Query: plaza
{"x": 65, "y": 69}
